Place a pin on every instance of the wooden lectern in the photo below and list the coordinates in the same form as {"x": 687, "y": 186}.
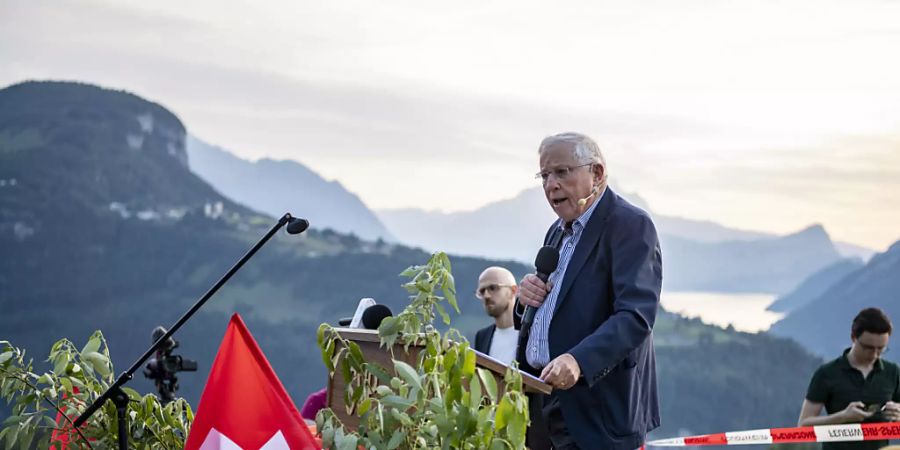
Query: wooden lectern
{"x": 370, "y": 345}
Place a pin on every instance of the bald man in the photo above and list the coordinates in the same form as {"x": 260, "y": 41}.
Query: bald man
{"x": 497, "y": 291}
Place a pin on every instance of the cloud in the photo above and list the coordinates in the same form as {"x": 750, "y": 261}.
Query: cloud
{"x": 728, "y": 110}
{"x": 852, "y": 185}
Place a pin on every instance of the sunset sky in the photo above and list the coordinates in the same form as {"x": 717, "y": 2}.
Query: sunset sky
{"x": 762, "y": 115}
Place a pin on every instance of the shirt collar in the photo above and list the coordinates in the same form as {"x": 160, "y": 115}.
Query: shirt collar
{"x": 582, "y": 220}
{"x": 845, "y": 362}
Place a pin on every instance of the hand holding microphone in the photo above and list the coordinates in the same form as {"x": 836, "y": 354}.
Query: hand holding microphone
{"x": 534, "y": 287}
{"x": 533, "y": 291}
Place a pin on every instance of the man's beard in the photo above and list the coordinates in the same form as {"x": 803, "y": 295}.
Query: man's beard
{"x": 494, "y": 312}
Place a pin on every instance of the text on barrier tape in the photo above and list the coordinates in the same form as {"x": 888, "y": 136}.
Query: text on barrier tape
{"x": 822, "y": 433}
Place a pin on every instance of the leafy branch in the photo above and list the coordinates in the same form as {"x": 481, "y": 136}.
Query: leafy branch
{"x": 59, "y": 411}
{"x": 77, "y": 378}
{"x": 445, "y": 401}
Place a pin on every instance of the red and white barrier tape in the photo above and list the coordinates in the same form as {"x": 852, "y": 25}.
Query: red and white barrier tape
{"x": 823, "y": 433}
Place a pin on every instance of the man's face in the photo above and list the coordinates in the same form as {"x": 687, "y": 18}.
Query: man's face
{"x": 868, "y": 347}
{"x": 495, "y": 294}
{"x": 564, "y": 191}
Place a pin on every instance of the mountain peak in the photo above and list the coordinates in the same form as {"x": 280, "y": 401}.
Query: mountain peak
{"x": 135, "y": 124}
{"x": 815, "y": 228}
{"x": 102, "y": 152}
{"x": 285, "y": 185}
{"x": 813, "y": 233}
{"x": 894, "y": 248}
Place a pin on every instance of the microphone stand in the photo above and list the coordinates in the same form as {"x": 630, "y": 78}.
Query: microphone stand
{"x": 115, "y": 392}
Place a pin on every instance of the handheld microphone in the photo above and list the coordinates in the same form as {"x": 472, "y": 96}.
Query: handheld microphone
{"x": 373, "y": 315}
{"x": 369, "y": 319}
{"x": 544, "y": 264}
{"x": 296, "y": 225}
{"x": 583, "y": 201}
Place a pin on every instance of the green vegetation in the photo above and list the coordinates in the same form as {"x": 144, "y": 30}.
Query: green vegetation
{"x": 716, "y": 380}
{"x": 445, "y": 402}
{"x": 84, "y": 267}
{"x": 23, "y": 140}
{"x": 46, "y": 404}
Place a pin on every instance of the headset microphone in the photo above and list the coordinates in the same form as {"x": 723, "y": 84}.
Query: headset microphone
{"x": 583, "y": 201}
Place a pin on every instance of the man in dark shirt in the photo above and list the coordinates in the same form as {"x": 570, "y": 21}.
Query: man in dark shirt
{"x": 858, "y": 386}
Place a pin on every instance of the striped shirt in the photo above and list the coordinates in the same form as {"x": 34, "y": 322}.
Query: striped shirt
{"x": 538, "y": 351}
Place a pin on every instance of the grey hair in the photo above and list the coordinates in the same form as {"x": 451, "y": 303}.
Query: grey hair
{"x": 586, "y": 150}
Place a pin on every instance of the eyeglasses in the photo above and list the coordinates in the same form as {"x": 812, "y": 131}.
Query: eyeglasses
{"x": 561, "y": 173}
{"x": 492, "y": 288}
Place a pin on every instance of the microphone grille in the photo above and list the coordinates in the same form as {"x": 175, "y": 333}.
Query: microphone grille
{"x": 373, "y": 315}
{"x": 547, "y": 259}
{"x": 297, "y": 226}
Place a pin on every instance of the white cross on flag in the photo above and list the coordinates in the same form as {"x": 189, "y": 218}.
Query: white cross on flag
{"x": 244, "y": 406}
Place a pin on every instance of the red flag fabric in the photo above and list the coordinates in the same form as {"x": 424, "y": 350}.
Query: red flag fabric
{"x": 244, "y": 406}
{"x": 60, "y": 437}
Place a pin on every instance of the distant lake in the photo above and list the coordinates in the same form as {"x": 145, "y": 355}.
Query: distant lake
{"x": 745, "y": 312}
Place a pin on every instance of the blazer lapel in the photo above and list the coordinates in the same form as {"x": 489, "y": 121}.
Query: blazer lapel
{"x": 490, "y": 339}
{"x": 588, "y": 241}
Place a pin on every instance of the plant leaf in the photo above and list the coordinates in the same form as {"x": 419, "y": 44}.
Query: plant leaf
{"x": 11, "y": 436}
{"x": 504, "y": 413}
{"x": 13, "y": 420}
{"x": 396, "y": 401}
{"x": 490, "y": 384}
{"x": 475, "y": 393}
{"x": 378, "y": 371}
{"x": 327, "y": 354}
{"x": 356, "y": 354}
{"x": 92, "y": 345}
{"x": 99, "y": 362}
{"x": 409, "y": 271}
{"x": 468, "y": 368}
{"x": 408, "y": 374}
{"x": 450, "y": 295}
{"x": 346, "y": 442}
{"x": 59, "y": 368}
{"x": 396, "y": 439}
{"x": 516, "y": 430}
{"x": 364, "y": 406}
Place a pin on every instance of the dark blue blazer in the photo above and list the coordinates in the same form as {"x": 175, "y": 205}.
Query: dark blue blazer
{"x": 604, "y": 317}
{"x": 484, "y": 337}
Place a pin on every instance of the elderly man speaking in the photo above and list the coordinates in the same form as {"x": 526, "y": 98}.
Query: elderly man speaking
{"x": 591, "y": 338}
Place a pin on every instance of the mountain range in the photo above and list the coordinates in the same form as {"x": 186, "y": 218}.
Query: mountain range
{"x": 104, "y": 226}
{"x": 698, "y": 255}
{"x": 768, "y": 265}
{"x": 822, "y": 324}
{"x": 274, "y": 187}
{"x": 816, "y": 285}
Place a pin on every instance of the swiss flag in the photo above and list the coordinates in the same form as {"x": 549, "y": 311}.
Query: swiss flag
{"x": 64, "y": 433}
{"x": 244, "y": 406}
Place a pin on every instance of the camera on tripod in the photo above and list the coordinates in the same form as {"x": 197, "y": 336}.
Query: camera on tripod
{"x": 164, "y": 365}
